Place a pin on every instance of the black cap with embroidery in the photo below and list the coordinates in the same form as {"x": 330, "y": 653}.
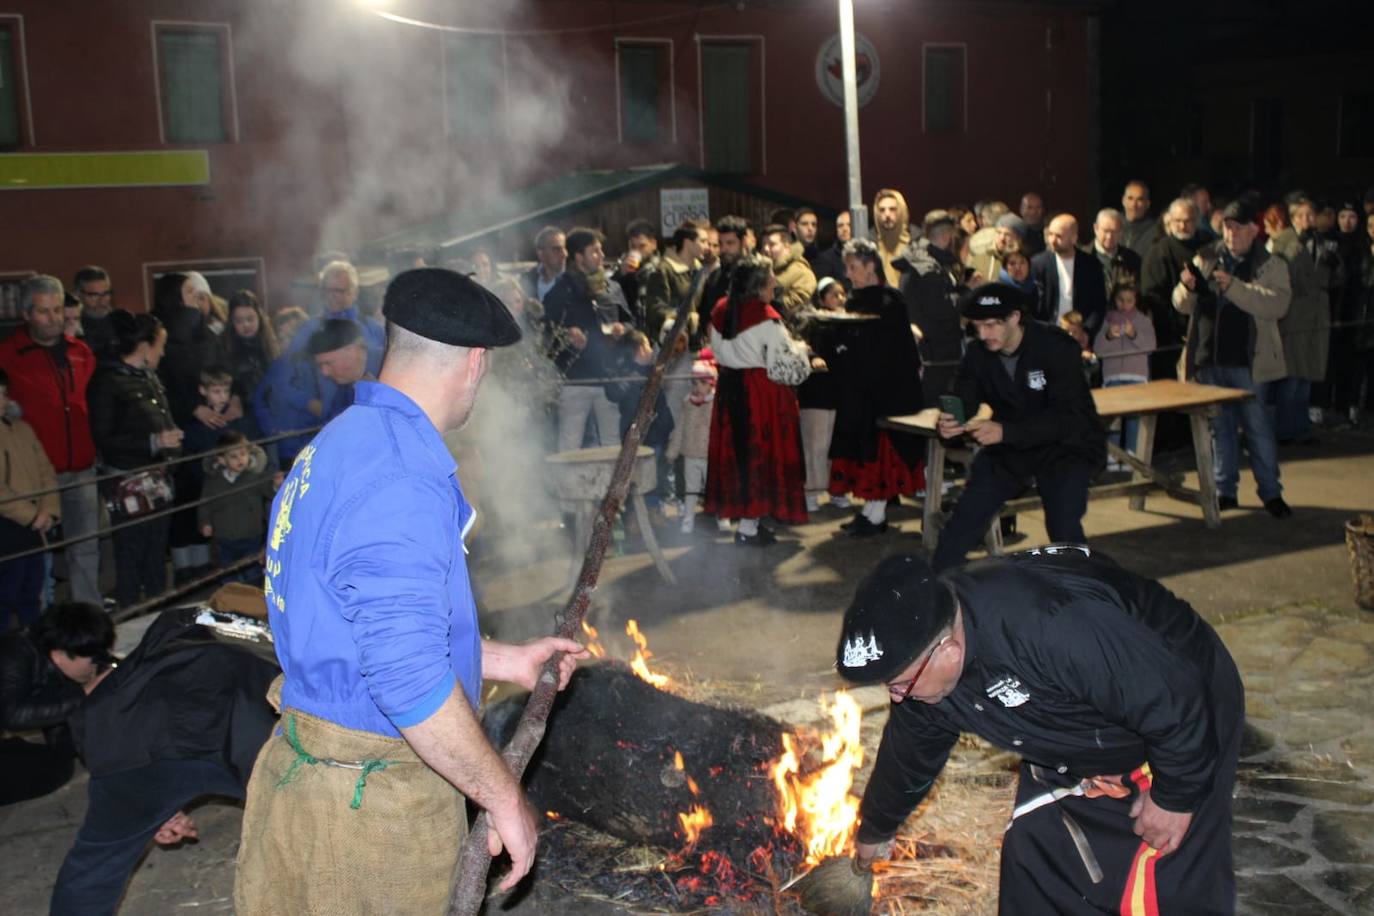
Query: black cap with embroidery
{"x": 449, "y": 308}
{"x": 993, "y": 300}
{"x": 898, "y": 611}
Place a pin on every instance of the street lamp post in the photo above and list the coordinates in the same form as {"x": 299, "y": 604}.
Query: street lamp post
{"x": 858, "y": 212}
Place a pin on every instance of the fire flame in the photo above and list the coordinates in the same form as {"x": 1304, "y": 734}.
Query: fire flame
{"x": 640, "y": 663}
{"x": 818, "y": 808}
{"x": 593, "y": 641}
{"x": 693, "y": 821}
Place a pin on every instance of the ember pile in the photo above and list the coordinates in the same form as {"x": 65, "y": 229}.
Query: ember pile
{"x": 657, "y": 803}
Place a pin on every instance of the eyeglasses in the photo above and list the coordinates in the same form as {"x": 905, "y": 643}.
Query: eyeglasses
{"x": 903, "y": 690}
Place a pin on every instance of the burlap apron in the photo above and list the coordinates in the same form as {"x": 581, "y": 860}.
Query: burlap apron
{"x": 341, "y": 822}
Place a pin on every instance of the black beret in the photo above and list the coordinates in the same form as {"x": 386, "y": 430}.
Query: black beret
{"x": 897, "y": 612}
{"x": 334, "y": 334}
{"x": 1241, "y": 211}
{"x": 993, "y": 300}
{"x": 449, "y": 308}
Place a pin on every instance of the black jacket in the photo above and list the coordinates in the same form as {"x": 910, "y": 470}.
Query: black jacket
{"x": 33, "y": 693}
{"x": 1089, "y": 289}
{"x": 1047, "y": 411}
{"x": 1074, "y": 663}
{"x": 190, "y": 347}
{"x": 569, "y": 304}
{"x": 829, "y": 262}
{"x": 127, "y": 406}
{"x": 180, "y": 695}
{"x": 878, "y": 375}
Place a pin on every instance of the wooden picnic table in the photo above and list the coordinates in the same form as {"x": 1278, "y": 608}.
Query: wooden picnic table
{"x": 1148, "y": 400}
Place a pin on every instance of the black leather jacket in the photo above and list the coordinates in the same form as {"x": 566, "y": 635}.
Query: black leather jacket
{"x": 33, "y": 693}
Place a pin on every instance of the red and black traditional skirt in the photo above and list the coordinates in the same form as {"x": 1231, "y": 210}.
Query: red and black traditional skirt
{"x": 755, "y": 466}
{"x": 885, "y": 477}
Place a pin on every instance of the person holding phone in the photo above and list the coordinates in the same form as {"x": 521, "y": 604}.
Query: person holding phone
{"x": 1044, "y": 426}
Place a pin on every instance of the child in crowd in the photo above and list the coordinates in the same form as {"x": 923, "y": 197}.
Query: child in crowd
{"x": 24, "y": 523}
{"x": 819, "y": 395}
{"x": 631, "y": 359}
{"x": 691, "y": 439}
{"x": 217, "y": 411}
{"x": 237, "y": 494}
{"x": 1124, "y": 343}
{"x": 1072, "y": 323}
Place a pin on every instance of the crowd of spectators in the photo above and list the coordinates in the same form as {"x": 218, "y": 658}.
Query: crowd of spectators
{"x": 766, "y": 410}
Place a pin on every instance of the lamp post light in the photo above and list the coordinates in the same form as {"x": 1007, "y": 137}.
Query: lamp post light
{"x": 858, "y": 211}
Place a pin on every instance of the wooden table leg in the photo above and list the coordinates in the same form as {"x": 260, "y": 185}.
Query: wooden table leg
{"x": 1206, "y": 478}
{"x": 935, "y": 488}
{"x": 646, "y": 530}
{"x": 1145, "y": 451}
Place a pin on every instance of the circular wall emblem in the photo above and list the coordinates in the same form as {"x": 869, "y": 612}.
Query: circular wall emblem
{"x": 829, "y": 75}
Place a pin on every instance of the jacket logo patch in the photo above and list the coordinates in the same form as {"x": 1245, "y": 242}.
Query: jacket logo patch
{"x": 858, "y": 653}
{"x": 1036, "y": 380}
{"x": 1007, "y": 691}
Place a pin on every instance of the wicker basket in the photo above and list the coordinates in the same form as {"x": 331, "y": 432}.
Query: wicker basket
{"x": 1359, "y": 537}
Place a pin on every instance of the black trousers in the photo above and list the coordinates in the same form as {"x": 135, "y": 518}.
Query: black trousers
{"x": 124, "y": 811}
{"x": 141, "y": 560}
{"x": 1063, "y": 490}
{"x": 1044, "y": 870}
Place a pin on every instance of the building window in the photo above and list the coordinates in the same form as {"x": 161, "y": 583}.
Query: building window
{"x": 645, "y": 92}
{"x": 727, "y": 100}
{"x": 12, "y": 94}
{"x": 195, "y": 83}
{"x": 226, "y": 276}
{"x": 1356, "y": 125}
{"x": 944, "y": 103}
{"x": 474, "y": 84}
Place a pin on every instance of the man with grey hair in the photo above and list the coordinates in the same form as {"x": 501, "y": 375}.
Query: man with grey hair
{"x": 339, "y": 291}
{"x": 48, "y": 373}
{"x": 1120, "y": 265}
{"x": 981, "y": 242}
{"x": 1158, "y": 277}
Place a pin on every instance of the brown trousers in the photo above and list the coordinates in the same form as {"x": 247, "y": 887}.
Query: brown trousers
{"x": 307, "y": 850}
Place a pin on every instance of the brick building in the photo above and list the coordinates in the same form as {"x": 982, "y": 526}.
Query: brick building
{"x": 243, "y": 137}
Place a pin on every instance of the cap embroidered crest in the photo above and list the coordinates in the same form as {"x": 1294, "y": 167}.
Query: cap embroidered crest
{"x": 858, "y": 653}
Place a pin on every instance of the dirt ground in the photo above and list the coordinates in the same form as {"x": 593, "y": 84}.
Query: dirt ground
{"x": 758, "y": 627}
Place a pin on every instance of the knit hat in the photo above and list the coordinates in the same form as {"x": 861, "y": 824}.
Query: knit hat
{"x": 1014, "y": 223}
{"x": 897, "y": 612}
{"x": 702, "y": 369}
{"x": 993, "y": 300}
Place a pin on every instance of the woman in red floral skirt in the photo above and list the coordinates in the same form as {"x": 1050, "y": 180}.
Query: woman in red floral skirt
{"x": 879, "y": 375}
{"x": 755, "y": 466}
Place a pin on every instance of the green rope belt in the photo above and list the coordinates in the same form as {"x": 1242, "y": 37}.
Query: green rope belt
{"x": 366, "y": 767}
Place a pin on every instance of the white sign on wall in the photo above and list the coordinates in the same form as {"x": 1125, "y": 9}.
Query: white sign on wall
{"x": 830, "y": 77}
{"x": 677, "y": 205}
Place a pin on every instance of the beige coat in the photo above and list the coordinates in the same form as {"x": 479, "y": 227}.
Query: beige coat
{"x": 1265, "y": 298}
{"x": 798, "y": 283}
{"x": 25, "y": 468}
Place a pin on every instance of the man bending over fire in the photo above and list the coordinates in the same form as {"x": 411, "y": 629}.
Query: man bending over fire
{"x": 1123, "y": 702}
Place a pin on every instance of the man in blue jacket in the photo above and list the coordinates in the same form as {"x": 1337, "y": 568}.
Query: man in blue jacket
{"x": 357, "y": 802}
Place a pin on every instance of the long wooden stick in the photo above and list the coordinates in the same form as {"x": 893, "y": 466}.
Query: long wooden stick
{"x": 470, "y": 879}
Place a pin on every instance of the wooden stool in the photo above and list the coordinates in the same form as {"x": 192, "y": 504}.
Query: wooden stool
{"x": 582, "y": 478}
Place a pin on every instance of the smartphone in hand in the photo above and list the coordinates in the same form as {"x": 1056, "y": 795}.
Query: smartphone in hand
{"x": 954, "y": 406}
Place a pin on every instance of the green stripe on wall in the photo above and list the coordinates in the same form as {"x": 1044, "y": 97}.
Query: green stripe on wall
{"x": 36, "y": 171}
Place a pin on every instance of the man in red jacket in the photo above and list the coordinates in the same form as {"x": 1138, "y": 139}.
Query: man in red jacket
{"x": 48, "y": 374}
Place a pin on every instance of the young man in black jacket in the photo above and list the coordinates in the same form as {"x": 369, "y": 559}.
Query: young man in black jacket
{"x": 42, "y": 669}
{"x": 1123, "y": 702}
{"x": 1044, "y": 426}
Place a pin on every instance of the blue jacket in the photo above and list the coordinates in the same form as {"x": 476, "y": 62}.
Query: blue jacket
{"x": 367, "y": 585}
{"x": 319, "y": 386}
{"x": 280, "y": 402}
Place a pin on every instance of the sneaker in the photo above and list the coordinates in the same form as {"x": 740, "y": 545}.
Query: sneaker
{"x": 813, "y": 502}
{"x": 762, "y": 539}
{"x": 849, "y": 525}
{"x": 863, "y": 528}
{"x": 1225, "y": 503}
{"x": 1277, "y": 507}
{"x": 1314, "y": 416}
{"x": 723, "y": 524}
{"x": 689, "y": 524}
{"x": 840, "y": 502}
